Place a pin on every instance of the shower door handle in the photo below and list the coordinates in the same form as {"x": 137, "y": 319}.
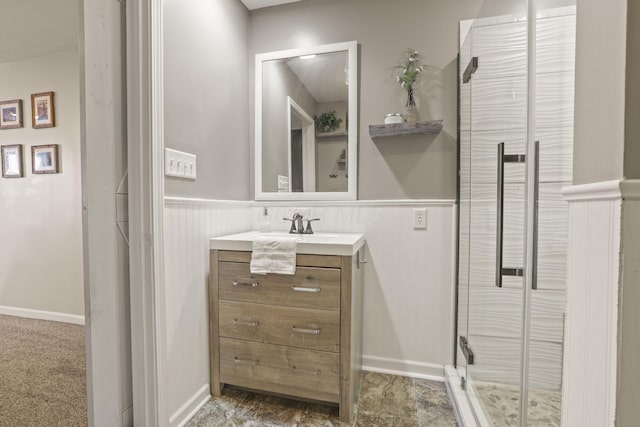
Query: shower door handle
{"x": 502, "y": 159}
{"x": 536, "y": 193}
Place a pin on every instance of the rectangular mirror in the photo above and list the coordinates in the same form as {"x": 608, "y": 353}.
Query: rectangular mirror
{"x": 306, "y": 140}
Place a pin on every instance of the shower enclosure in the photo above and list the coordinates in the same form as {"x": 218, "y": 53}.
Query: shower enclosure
{"x": 516, "y": 81}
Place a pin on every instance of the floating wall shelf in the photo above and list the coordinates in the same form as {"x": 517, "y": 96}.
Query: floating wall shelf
{"x": 330, "y": 134}
{"x": 399, "y": 129}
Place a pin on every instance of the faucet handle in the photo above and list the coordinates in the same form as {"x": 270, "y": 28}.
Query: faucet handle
{"x": 309, "y": 230}
{"x": 292, "y": 230}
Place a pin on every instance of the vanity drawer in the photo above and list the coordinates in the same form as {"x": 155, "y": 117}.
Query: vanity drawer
{"x": 295, "y": 327}
{"x": 292, "y": 371}
{"x": 308, "y": 288}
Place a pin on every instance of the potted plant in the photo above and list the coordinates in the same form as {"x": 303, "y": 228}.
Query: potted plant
{"x": 411, "y": 70}
{"x": 327, "y": 122}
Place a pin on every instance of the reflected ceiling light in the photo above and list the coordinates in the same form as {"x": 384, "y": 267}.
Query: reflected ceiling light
{"x": 307, "y": 56}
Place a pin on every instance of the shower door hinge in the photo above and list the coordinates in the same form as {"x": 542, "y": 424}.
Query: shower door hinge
{"x": 466, "y": 350}
{"x": 471, "y": 68}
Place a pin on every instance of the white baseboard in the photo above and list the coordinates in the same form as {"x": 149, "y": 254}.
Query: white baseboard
{"x": 405, "y": 368}
{"x": 42, "y": 315}
{"x": 190, "y": 407}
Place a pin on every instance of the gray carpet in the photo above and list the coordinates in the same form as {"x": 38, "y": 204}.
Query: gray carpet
{"x": 42, "y": 373}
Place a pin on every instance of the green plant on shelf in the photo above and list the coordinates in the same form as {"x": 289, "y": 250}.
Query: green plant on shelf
{"x": 327, "y": 122}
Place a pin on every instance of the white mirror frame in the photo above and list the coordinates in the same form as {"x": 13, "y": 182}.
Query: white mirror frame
{"x": 352, "y": 140}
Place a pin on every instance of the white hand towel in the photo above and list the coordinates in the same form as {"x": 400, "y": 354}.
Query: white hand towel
{"x": 274, "y": 255}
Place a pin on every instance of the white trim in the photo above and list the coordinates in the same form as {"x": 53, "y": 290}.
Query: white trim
{"x": 404, "y": 368}
{"x": 338, "y": 203}
{"x": 182, "y": 416}
{"x": 42, "y": 315}
{"x": 146, "y": 204}
{"x": 629, "y": 189}
{"x": 462, "y": 408}
{"x": 352, "y": 185}
{"x": 606, "y": 190}
{"x": 156, "y": 308}
{"x": 180, "y": 201}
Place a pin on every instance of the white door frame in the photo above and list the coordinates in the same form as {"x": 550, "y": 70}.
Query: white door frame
{"x": 308, "y": 146}
{"x": 146, "y": 205}
{"x": 102, "y": 105}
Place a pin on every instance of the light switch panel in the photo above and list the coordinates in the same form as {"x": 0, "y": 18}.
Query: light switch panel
{"x": 179, "y": 164}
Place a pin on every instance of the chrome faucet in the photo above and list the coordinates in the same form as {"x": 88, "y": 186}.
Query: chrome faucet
{"x": 298, "y": 217}
{"x": 297, "y": 227}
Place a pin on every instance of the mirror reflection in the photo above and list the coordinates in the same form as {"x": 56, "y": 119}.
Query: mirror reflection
{"x": 304, "y": 123}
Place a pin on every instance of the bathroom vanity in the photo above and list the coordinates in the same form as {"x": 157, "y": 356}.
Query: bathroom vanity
{"x": 294, "y": 335}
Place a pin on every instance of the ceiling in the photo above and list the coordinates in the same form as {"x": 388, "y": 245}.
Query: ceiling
{"x": 32, "y": 28}
{"x": 258, "y": 4}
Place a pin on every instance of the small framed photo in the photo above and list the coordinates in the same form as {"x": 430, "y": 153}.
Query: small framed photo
{"x": 44, "y": 158}
{"x": 11, "y": 114}
{"x": 12, "y": 161}
{"x": 43, "y": 113}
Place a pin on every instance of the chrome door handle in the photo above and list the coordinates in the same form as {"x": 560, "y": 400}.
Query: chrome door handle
{"x": 315, "y": 372}
{"x": 249, "y": 284}
{"x": 245, "y": 361}
{"x": 305, "y": 331}
{"x": 305, "y": 289}
{"x": 536, "y": 193}
{"x": 502, "y": 159}
{"x": 252, "y": 323}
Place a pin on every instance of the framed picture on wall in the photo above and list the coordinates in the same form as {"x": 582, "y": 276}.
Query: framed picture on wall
{"x": 43, "y": 113}
{"x": 44, "y": 158}
{"x": 11, "y": 114}
{"x": 12, "y": 161}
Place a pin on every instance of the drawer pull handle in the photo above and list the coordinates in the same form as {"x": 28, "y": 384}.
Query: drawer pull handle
{"x": 252, "y": 323}
{"x": 245, "y": 361}
{"x": 249, "y": 284}
{"x": 303, "y": 289}
{"x": 305, "y": 331}
{"x": 315, "y": 372}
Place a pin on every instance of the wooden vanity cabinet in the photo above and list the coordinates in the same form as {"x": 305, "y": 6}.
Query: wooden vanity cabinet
{"x": 294, "y": 335}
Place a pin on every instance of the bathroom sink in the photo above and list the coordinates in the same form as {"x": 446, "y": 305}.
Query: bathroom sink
{"x": 320, "y": 243}
{"x": 313, "y": 236}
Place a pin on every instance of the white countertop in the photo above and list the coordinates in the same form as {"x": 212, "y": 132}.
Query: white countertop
{"x": 343, "y": 244}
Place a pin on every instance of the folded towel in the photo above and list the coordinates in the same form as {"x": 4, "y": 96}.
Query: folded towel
{"x": 274, "y": 255}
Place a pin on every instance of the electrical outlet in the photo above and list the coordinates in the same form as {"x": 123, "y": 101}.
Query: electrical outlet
{"x": 420, "y": 218}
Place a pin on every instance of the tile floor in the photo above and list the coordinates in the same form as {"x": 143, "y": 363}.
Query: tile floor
{"x": 385, "y": 400}
{"x": 501, "y": 404}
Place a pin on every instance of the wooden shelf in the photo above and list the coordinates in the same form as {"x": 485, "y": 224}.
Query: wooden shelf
{"x": 399, "y": 129}
{"x": 330, "y": 134}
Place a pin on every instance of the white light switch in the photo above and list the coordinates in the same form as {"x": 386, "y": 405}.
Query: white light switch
{"x": 180, "y": 164}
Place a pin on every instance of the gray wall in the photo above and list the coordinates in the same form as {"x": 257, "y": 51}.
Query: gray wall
{"x": 600, "y": 91}
{"x": 206, "y": 95}
{"x": 632, "y": 104}
{"x": 394, "y": 168}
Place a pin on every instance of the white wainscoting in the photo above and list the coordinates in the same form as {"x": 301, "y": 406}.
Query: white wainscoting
{"x": 409, "y": 283}
{"x": 409, "y": 279}
{"x": 590, "y": 350}
{"x": 188, "y": 224}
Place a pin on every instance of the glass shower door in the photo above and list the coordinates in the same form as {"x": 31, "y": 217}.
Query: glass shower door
{"x": 492, "y": 202}
{"x": 516, "y": 130}
{"x": 554, "y": 77}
